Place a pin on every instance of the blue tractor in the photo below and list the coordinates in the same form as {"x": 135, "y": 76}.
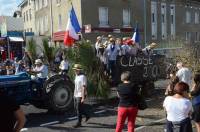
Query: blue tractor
{"x": 55, "y": 94}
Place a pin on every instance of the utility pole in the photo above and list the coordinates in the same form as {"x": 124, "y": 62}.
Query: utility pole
{"x": 145, "y": 24}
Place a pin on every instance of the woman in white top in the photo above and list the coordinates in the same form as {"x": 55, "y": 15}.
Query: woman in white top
{"x": 178, "y": 108}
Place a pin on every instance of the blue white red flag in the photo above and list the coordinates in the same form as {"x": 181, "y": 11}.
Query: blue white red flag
{"x": 136, "y": 36}
{"x": 72, "y": 30}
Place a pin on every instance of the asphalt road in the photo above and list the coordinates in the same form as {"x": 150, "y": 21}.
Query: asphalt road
{"x": 103, "y": 117}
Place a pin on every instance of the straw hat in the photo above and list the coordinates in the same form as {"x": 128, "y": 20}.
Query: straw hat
{"x": 99, "y": 37}
{"x": 152, "y": 45}
{"x": 77, "y": 67}
{"x": 38, "y": 61}
{"x": 109, "y": 36}
{"x": 111, "y": 39}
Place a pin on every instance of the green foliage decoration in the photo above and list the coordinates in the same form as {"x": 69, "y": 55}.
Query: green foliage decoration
{"x": 32, "y": 49}
{"x": 83, "y": 53}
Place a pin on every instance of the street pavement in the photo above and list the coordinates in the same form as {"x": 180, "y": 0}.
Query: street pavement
{"x": 103, "y": 117}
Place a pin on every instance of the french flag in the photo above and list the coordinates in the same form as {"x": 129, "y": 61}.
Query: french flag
{"x": 136, "y": 36}
{"x": 72, "y": 30}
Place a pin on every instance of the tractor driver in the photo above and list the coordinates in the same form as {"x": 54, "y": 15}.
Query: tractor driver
{"x": 40, "y": 71}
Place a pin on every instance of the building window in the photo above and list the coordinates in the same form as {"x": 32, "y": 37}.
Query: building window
{"x": 40, "y": 4}
{"x": 163, "y": 21}
{"x": 172, "y": 19}
{"x": 196, "y": 18}
{"x": 30, "y": 15}
{"x": 59, "y": 22}
{"x": 153, "y": 17}
{"x": 41, "y": 26}
{"x": 103, "y": 16}
{"x": 31, "y": 30}
{"x": 126, "y": 17}
{"x": 154, "y": 20}
{"x": 58, "y": 1}
{"x": 45, "y": 3}
{"x": 38, "y": 26}
{"x": 163, "y": 18}
{"x": 46, "y": 23}
{"x": 196, "y": 36}
{"x": 188, "y": 36}
{"x": 26, "y": 15}
{"x": 188, "y": 17}
{"x": 173, "y": 26}
{"x": 36, "y": 5}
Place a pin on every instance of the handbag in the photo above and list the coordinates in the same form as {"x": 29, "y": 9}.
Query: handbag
{"x": 196, "y": 100}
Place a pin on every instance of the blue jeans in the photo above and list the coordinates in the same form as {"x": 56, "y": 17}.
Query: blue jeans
{"x": 183, "y": 126}
{"x": 111, "y": 68}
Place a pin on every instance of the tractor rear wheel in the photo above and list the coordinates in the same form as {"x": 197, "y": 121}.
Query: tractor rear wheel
{"x": 61, "y": 97}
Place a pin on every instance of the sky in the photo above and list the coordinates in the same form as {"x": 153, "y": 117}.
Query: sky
{"x": 7, "y": 7}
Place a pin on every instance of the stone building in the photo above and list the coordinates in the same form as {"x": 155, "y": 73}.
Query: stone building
{"x": 43, "y": 17}
{"x": 158, "y": 20}
{"x": 28, "y": 14}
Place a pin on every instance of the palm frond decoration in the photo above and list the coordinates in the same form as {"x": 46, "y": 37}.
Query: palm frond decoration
{"x": 32, "y": 49}
{"x": 49, "y": 52}
{"x": 83, "y": 53}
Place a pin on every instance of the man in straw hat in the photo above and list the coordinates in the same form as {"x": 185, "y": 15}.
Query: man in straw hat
{"x": 80, "y": 94}
{"x": 40, "y": 71}
{"x": 147, "y": 50}
{"x": 112, "y": 51}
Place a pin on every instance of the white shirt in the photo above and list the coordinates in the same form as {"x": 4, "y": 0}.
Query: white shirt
{"x": 64, "y": 65}
{"x": 80, "y": 81}
{"x": 104, "y": 58}
{"x": 184, "y": 75}
{"x": 43, "y": 71}
{"x": 177, "y": 109}
{"x": 125, "y": 49}
{"x": 97, "y": 45}
{"x": 112, "y": 55}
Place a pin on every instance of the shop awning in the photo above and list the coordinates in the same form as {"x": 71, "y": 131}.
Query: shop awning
{"x": 16, "y": 39}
